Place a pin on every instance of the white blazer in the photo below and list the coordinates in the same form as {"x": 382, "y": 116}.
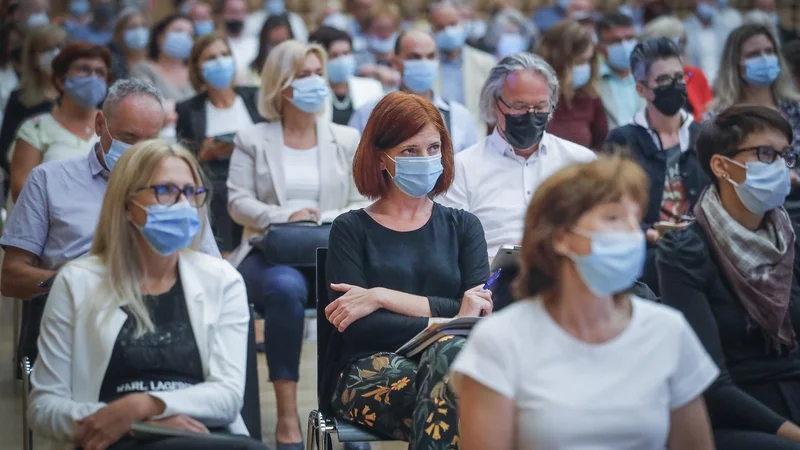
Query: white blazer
{"x": 362, "y": 91}
{"x": 256, "y": 179}
{"x": 75, "y": 348}
{"x": 477, "y": 65}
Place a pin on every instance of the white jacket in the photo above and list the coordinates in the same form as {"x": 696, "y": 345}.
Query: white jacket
{"x": 75, "y": 348}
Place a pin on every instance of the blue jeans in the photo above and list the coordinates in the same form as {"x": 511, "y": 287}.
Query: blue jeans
{"x": 279, "y": 294}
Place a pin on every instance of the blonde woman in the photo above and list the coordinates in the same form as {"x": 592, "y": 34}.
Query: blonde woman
{"x": 127, "y": 332}
{"x": 296, "y": 167}
{"x": 36, "y": 93}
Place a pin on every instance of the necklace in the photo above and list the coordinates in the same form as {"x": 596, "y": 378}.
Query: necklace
{"x": 341, "y": 105}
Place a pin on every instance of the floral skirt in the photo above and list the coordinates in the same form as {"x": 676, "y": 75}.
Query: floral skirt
{"x": 406, "y": 399}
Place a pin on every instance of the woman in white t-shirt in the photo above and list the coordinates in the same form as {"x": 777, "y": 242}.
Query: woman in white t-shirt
{"x": 579, "y": 363}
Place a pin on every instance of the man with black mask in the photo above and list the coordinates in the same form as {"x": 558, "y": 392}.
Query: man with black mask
{"x": 496, "y": 178}
{"x": 661, "y": 139}
{"x": 243, "y": 47}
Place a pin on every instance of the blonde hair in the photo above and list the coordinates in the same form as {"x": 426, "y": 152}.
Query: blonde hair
{"x": 33, "y": 83}
{"x": 280, "y": 69}
{"x": 664, "y": 26}
{"x": 115, "y": 239}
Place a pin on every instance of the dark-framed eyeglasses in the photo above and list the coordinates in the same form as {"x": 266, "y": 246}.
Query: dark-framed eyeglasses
{"x": 767, "y": 154}
{"x": 517, "y": 109}
{"x": 668, "y": 80}
{"x": 170, "y": 194}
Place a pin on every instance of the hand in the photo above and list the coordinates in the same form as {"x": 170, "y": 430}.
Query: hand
{"x": 356, "y": 303}
{"x": 181, "y": 422}
{"x": 652, "y": 235}
{"x": 106, "y": 426}
{"x": 213, "y": 149}
{"x": 789, "y": 430}
{"x": 312, "y": 214}
{"x": 476, "y": 302}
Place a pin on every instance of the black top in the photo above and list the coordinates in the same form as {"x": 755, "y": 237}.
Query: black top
{"x": 341, "y": 116}
{"x": 441, "y": 260}
{"x": 15, "y": 114}
{"x": 165, "y": 360}
{"x": 755, "y": 382}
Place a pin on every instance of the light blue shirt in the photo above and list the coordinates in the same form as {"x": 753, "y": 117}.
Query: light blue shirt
{"x": 619, "y": 97}
{"x": 57, "y": 211}
{"x": 545, "y": 17}
{"x": 89, "y": 34}
{"x": 453, "y": 73}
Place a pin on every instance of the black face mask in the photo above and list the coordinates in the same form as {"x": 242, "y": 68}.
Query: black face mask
{"x": 523, "y": 131}
{"x": 234, "y": 26}
{"x": 670, "y": 99}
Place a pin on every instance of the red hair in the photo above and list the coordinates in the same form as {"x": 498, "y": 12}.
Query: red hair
{"x": 398, "y": 117}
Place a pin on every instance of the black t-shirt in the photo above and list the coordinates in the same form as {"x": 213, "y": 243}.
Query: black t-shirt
{"x": 164, "y": 360}
{"x": 342, "y": 109}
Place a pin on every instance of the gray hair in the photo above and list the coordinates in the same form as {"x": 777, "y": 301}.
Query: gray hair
{"x": 124, "y": 88}
{"x": 664, "y": 26}
{"x": 647, "y": 52}
{"x": 498, "y": 23}
{"x": 515, "y": 63}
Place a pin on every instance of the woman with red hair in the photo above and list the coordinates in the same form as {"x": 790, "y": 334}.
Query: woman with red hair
{"x": 396, "y": 267}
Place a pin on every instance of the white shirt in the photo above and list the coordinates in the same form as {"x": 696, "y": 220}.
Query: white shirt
{"x": 496, "y": 184}
{"x": 709, "y": 54}
{"x": 301, "y": 171}
{"x": 228, "y": 120}
{"x": 244, "y": 50}
{"x": 570, "y": 394}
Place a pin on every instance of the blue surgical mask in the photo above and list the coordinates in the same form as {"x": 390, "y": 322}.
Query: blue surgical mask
{"x": 581, "y": 74}
{"x": 420, "y": 74}
{"x": 37, "y": 20}
{"x": 275, "y": 7}
{"x": 79, "y": 7}
{"x": 451, "y": 38}
{"x": 761, "y": 70}
{"x": 341, "y": 68}
{"x": 309, "y": 93}
{"x": 178, "y": 45}
{"x": 417, "y": 175}
{"x": 619, "y": 54}
{"x": 510, "y": 43}
{"x": 381, "y": 46}
{"x": 615, "y": 262}
{"x": 219, "y": 72}
{"x": 136, "y": 38}
{"x": 765, "y": 187}
{"x": 706, "y": 11}
{"x": 87, "y": 92}
{"x": 114, "y": 152}
{"x": 170, "y": 228}
{"x": 204, "y": 27}
{"x": 564, "y": 4}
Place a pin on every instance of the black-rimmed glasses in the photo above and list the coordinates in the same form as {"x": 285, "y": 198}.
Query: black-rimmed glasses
{"x": 170, "y": 194}
{"x": 767, "y": 154}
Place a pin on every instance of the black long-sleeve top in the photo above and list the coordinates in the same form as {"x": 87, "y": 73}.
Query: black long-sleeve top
{"x": 755, "y": 380}
{"x": 16, "y": 113}
{"x": 440, "y": 261}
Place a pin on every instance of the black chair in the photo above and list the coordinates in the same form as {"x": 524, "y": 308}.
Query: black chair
{"x": 322, "y": 423}
{"x": 251, "y": 408}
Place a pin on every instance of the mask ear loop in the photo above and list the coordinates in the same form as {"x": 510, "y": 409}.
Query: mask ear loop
{"x": 737, "y": 163}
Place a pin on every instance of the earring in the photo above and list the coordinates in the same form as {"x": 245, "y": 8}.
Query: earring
{"x": 724, "y": 176}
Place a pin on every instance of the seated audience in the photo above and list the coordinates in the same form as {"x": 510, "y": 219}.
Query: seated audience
{"x": 464, "y": 68}
{"x": 129, "y": 46}
{"x": 610, "y": 370}
{"x": 80, "y": 75}
{"x": 275, "y": 8}
{"x": 661, "y": 139}
{"x": 616, "y": 87}
{"x": 547, "y": 17}
{"x": 54, "y": 219}
{"x": 99, "y": 30}
{"x": 579, "y": 116}
{"x": 244, "y": 47}
{"x": 381, "y": 36}
{"x": 275, "y": 31}
{"x": 36, "y": 93}
{"x": 144, "y": 351}
{"x": 417, "y": 60}
{"x": 296, "y": 167}
{"x": 202, "y": 15}
{"x": 733, "y": 273}
{"x": 170, "y": 45}
{"x": 207, "y": 122}
{"x": 385, "y": 286}
{"x": 706, "y": 32}
{"x": 791, "y": 54}
{"x": 770, "y": 7}
{"x": 349, "y": 91}
{"x": 697, "y": 89}
{"x": 509, "y": 32}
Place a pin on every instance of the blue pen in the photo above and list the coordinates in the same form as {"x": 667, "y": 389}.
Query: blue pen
{"x": 492, "y": 279}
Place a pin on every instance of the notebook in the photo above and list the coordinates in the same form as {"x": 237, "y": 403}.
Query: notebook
{"x": 460, "y": 326}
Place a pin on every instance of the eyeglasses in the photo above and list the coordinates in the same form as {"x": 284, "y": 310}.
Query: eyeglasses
{"x": 767, "y": 154}
{"x": 520, "y": 108}
{"x": 678, "y": 78}
{"x": 170, "y": 194}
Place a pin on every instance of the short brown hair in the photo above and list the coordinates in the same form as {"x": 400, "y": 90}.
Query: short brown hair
{"x": 74, "y": 52}
{"x": 396, "y": 118}
{"x": 561, "y": 46}
{"x": 200, "y": 45}
{"x": 558, "y": 204}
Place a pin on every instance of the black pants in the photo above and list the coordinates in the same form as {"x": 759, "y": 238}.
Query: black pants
{"x": 180, "y": 443}
{"x": 752, "y": 440}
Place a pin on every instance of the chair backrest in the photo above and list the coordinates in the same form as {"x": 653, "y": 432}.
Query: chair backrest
{"x": 251, "y": 408}
{"x": 324, "y": 331}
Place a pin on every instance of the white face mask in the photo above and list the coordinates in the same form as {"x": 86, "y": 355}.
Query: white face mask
{"x": 46, "y": 60}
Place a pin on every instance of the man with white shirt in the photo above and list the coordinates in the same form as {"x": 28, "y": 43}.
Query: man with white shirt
{"x": 417, "y": 60}
{"x": 243, "y": 47}
{"x": 496, "y": 178}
